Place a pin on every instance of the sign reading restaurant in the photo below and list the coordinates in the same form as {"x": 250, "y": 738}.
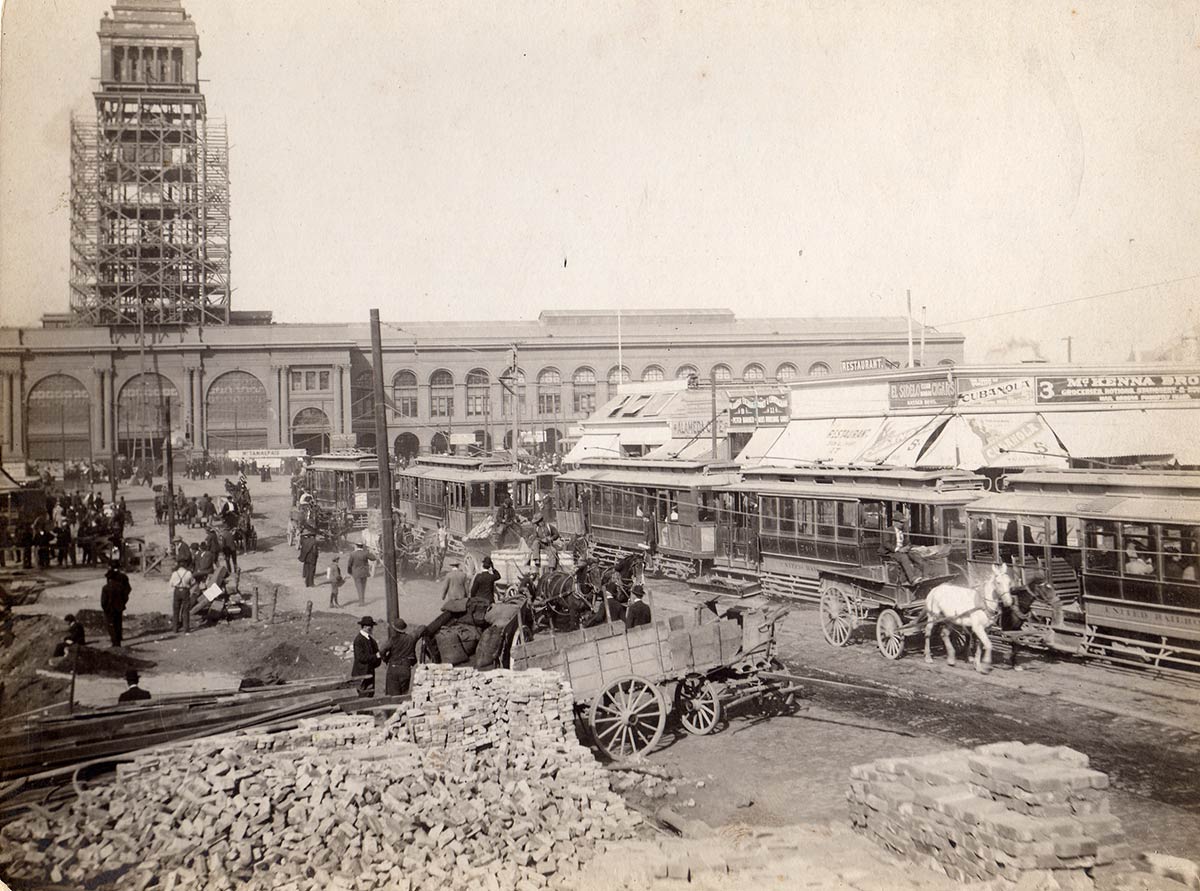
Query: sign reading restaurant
{"x": 873, "y": 364}
{"x": 1117, "y": 388}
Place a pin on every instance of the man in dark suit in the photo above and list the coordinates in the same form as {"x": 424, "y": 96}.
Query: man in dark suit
{"x": 308, "y": 557}
{"x": 358, "y": 566}
{"x": 366, "y": 657}
{"x": 114, "y": 597}
{"x": 134, "y": 693}
{"x": 638, "y": 611}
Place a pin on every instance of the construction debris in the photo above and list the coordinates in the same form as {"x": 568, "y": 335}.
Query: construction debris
{"x": 480, "y": 784}
{"x": 1008, "y": 812}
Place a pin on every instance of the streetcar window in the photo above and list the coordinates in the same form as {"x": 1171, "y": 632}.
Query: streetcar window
{"x": 1100, "y": 547}
{"x": 481, "y": 495}
{"x": 825, "y": 519}
{"x": 787, "y": 518}
{"x": 983, "y": 541}
{"x": 372, "y": 481}
{"x": 1139, "y": 550}
{"x": 954, "y": 529}
{"x": 872, "y": 521}
{"x": 923, "y": 530}
{"x": 1033, "y": 538}
{"x": 806, "y": 518}
{"x": 1180, "y": 560}
{"x": 770, "y": 515}
{"x": 847, "y": 527}
{"x": 704, "y": 508}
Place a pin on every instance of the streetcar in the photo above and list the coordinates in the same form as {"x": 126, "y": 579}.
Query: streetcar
{"x": 808, "y": 531}
{"x": 665, "y": 508}
{"x": 459, "y": 492}
{"x": 345, "y": 486}
{"x": 1121, "y": 549}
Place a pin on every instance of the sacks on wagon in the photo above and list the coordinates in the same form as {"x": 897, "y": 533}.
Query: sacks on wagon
{"x": 502, "y": 613}
{"x": 450, "y": 648}
{"x": 491, "y": 644}
{"x": 468, "y": 637}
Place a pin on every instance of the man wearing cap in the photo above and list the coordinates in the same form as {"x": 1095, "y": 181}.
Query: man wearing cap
{"x": 134, "y": 693}
{"x": 358, "y": 566}
{"x": 181, "y": 597}
{"x": 114, "y": 597}
{"x": 400, "y": 654}
{"x": 366, "y": 657}
{"x": 454, "y": 585}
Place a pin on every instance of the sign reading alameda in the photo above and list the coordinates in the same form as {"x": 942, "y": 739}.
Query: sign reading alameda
{"x": 1118, "y": 388}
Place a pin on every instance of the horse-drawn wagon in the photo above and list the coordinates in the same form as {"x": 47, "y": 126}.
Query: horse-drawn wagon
{"x": 627, "y": 681}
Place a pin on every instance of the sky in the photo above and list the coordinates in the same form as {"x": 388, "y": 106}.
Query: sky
{"x": 487, "y": 160}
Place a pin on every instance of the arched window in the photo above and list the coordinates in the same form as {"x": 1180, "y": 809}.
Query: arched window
{"x": 618, "y": 376}
{"x": 141, "y": 414}
{"x": 407, "y": 446}
{"x": 238, "y": 412}
{"x": 362, "y": 399}
{"x": 58, "y": 410}
{"x": 404, "y": 394}
{"x": 441, "y": 394}
{"x": 683, "y": 372}
{"x": 787, "y": 372}
{"x": 478, "y": 393}
{"x": 653, "y": 373}
{"x": 512, "y": 380}
{"x": 945, "y": 362}
{"x": 584, "y": 381}
{"x": 311, "y": 431}
{"x": 482, "y": 444}
{"x": 754, "y": 372}
{"x": 817, "y": 369}
{"x": 549, "y": 392}
{"x": 722, "y": 373}
{"x": 439, "y": 445}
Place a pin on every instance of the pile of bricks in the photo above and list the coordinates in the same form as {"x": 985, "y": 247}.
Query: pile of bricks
{"x": 462, "y": 708}
{"x": 997, "y": 812}
{"x": 344, "y": 802}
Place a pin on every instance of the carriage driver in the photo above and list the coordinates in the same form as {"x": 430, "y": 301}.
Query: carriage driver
{"x": 896, "y": 544}
{"x": 544, "y": 539}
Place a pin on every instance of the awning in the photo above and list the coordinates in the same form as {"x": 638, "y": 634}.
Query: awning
{"x": 651, "y": 436}
{"x": 758, "y": 445}
{"x": 600, "y": 445}
{"x": 1120, "y": 434}
{"x": 973, "y": 442}
{"x": 837, "y": 441}
{"x": 689, "y": 449}
{"x": 899, "y": 441}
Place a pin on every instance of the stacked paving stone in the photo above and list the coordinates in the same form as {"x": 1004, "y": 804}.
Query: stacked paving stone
{"x": 344, "y": 802}
{"x": 999, "y": 811}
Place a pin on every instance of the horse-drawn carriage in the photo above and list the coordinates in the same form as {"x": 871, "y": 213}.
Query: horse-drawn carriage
{"x": 627, "y": 681}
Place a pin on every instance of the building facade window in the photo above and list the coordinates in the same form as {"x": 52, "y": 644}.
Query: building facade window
{"x": 513, "y": 381}
{"x": 945, "y": 362}
{"x": 722, "y": 373}
{"x": 404, "y": 394}
{"x": 754, "y": 372}
{"x": 549, "y": 392}
{"x": 619, "y": 376}
{"x": 441, "y": 394}
{"x": 478, "y": 393}
{"x": 817, "y": 369}
{"x": 362, "y": 398}
{"x": 310, "y": 380}
{"x": 653, "y": 373}
{"x": 584, "y": 381}
{"x": 683, "y": 372}
{"x": 787, "y": 372}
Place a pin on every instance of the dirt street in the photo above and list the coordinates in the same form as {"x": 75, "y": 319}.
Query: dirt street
{"x": 785, "y": 770}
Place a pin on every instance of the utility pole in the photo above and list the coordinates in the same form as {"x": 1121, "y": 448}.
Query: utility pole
{"x": 516, "y": 406}
{"x": 169, "y": 470}
{"x": 713, "y": 424}
{"x": 922, "y": 335}
{"x": 390, "y": 589}
{"x": 909, "y": 317}
{"x": 1068, "y": 339}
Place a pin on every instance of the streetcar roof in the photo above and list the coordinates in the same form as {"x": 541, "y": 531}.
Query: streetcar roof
{"x": 464, "y": 474}
{"x": 1098, "y": 507}
{"x": 825, "y": 475}
{"x": 687, "y": 479}
{"x": 480, "y": 461}
{"x": 1096, "y": 482}
{"x": 348, "y": 460}
{"x": 854, "y": 491}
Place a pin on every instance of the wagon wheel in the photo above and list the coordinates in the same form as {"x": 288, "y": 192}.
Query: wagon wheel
{"x": 628, "y": 717}
{"x": 837, "y": 618}
{"x": 699, "y": 704}
{"x": 888, "y": 634}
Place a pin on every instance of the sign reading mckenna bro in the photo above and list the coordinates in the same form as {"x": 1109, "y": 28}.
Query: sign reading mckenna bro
{"x": 1118, "y": 388}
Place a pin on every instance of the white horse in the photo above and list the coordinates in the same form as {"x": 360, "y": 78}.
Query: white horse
{"x": 971, "y": 608}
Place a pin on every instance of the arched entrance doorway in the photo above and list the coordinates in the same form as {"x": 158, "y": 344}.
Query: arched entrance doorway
{"x": 407, "y": 446}
{"x": 237, "y": 412}
{"x": 58, "y": 419}
{"x": 311, "y": 430}
{"x": 440, "y": 444}
{"x": 482, "y": 444}
{"x": 142, "y": 415}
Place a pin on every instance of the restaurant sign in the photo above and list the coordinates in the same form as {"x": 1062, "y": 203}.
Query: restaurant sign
{"x": 928, "y": 392}
{"x": 1112, "y": 388}
{"x": 752, "y": 411}
{"x": 875, "y": 363}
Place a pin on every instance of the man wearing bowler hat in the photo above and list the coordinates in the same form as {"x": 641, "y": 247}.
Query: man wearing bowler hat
{"x": 134, "y": 693}
{"x": 366, "y": 657}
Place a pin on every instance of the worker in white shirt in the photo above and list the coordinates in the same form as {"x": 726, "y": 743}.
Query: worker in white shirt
{"x": 182, "y": 581}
